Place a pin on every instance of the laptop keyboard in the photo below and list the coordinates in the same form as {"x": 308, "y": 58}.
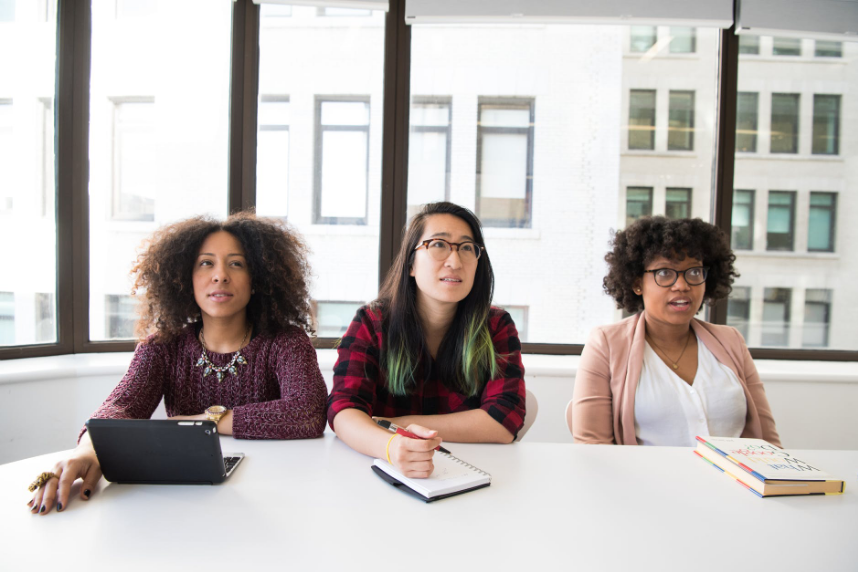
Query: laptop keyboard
{"x": 229, "y": 463}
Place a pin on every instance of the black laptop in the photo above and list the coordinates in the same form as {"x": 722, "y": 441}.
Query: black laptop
{"x": 160, "y": 451}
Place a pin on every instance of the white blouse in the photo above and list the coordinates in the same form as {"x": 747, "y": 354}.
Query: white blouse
{"x": 670, "y": 412}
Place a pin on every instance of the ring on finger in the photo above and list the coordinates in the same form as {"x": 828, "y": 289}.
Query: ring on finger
{"x": 42, "y": 480}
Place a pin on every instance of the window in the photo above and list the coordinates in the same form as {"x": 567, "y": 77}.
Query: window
{"x": 519, "y": 317}
{"x": 7, "y": 146}
{"x": 7, "y": 318}
{"x": 642, "y": 119}
{"x": 429, "y": 147}
{"x": 272, "y": 156}
{"x": 826, "y": 124}
{"x": 817, "y": 317}
{"x": 46, "y": 328}
{"x": 7, "y": 10}
{"x": 677, "y": 203}
{"x": 821, "y": 222}
{"x": 746, "y": 121}
{"x": 134, "y": 185}
{"x": 784, "y": 123}
{"x": 642, "y": 38}
{"x": 742, "y": 236}
{"x": 120, "y": 316}
{"x": 505, "y": 162}
{"x": 638, "y": 203}
{"x": 739, "y": 310}
{"x": 683, "y": 40}
{"x": 680, "y": 130}
{"x": 786, "y": 47}
{"x": 781, "y": 220}
{"x": 47, "y": 157}
{"x": 776, "y": 316}
{"x": 828, "y": 49}
{"x": 749, "y": 45}
{"x": 342, "y": 160}
{"x": 333, "y": 318}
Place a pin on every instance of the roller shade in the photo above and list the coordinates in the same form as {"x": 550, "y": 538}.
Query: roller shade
{"x": 697, "y": 13}
{"x": 355, "y": 4}
{"x": 819, "y": 19}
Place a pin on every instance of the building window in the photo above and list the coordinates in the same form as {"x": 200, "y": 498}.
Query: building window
{"x": 120, "y": 316}
{"x": 680, "y": 129}
{"x": 786, "y": 47}
{"x": 46, "y": 327}
{"x": 332, "y": 319}
{"x": 817, "y": 316}
{"x": 638, "y": 203}
{"x": 742, "y": 234}
{"x": 784, "y": 123}
{"x": 7, "y": 319}
{"x": 7, "y": 10}
{"x": 749, "y": 45}
{"x": 821, "y": 222}
{"x": 7, "y": 147}
{"x": 134, "y": 146}
{"x": 342, "y": 160}
{"x": 683, "y": 40}
{"x": 343, "y": 12}
{"x": 642, "y": 38}
{"x": 519, "y": 317}
{"x": 739, "y": 309}
{"x": 775, "y": 330}
{"x": 272, "y": 156}
{"x": 47, "y": 157}
{"x": 642, "y": 119}
{"x": 746, "y": 121}
{"x": 781, "y": 220}
{"x": 826, "y": 124}
{"x": 429, "y": 148}
{"x": 828, "y": 49}
{"x": 505, "y": 162}
{"x": 677, "y": 203}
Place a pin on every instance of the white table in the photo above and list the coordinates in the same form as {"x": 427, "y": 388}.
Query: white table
{"x": 316, "y": 505}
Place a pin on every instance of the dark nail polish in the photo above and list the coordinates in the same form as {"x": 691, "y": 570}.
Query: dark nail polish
{"x": 59, "y": 506}
{"x": 86, "y": 493}
{"x": 41, "y": 510}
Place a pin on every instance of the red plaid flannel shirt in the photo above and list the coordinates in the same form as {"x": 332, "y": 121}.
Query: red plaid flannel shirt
{"x": 361, "y": 383}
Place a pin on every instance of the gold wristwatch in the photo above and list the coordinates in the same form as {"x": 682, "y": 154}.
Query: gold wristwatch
{"x": 215, "y": 413}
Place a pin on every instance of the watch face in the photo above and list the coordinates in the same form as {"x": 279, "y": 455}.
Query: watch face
{"x": 216, "y": 410}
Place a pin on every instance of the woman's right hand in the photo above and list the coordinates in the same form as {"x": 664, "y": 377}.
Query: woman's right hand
{"x": 83, "y": 464}
{"x": 413, "y": 457}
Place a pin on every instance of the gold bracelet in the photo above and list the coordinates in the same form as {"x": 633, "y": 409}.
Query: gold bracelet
{"x": 388, "y": 448}
{"x": 41, "y": 481}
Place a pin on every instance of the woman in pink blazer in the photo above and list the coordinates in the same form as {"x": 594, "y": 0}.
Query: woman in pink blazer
{"x": 661, "y": 376}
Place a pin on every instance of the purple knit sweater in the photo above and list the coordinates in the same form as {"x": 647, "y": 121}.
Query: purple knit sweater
{"x": 279, "y": 394}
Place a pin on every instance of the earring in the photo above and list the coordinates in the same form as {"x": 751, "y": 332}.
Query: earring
{"x": 252, "y": 292}
{"x": 638, "y": 291}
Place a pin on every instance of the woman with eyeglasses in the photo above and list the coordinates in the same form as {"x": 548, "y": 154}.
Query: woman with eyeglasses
{"x": 431, "y": 354}
{"x": 662, "y": 376}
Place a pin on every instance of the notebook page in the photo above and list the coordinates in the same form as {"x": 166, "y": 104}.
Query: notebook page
{"x": 450, "y": 475}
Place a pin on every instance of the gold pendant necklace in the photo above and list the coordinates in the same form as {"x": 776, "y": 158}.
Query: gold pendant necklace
{"x": 674, "y": 364}
{"x": 237, "y": 359}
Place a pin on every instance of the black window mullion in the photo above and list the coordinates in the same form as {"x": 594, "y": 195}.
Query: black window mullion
{"x": 243, "y": 107}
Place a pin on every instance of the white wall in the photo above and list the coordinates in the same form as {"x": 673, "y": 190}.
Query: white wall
{"x": 44, "y": 401}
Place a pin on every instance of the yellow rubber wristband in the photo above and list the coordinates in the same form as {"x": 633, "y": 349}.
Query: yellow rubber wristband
{"x": 388, "y": 448}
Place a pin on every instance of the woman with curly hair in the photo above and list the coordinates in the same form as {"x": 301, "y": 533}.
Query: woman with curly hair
{"x": 225, "y": 314}
{"x": 430, "y": 354}
{"x": 661, "y": 376}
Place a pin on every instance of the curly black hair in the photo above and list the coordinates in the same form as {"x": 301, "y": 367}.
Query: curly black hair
{"x": 276, "y": 258}
{"x": 650, "y": 237}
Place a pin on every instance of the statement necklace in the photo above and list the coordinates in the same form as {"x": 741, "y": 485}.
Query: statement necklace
{"x": 675, "y": 364}
{"x": 237, "y": 359}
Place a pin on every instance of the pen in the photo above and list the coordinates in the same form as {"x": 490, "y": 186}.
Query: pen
{"x": 400, "y": 431}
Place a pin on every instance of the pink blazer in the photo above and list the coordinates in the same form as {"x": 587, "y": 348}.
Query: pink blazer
{"x": 603, "y": 408}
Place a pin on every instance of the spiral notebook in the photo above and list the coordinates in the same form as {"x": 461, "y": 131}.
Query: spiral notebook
{"x": 452, "y": 476}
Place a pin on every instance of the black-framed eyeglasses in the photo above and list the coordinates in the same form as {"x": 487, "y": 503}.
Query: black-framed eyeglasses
{"x": 667, "y": 277}
{"x": 440, "y": 249}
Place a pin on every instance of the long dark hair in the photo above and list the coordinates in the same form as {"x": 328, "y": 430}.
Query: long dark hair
{"x": 466, "y": 357}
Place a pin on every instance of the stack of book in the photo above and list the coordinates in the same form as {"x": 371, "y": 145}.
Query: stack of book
{"x": 765, "y": 469}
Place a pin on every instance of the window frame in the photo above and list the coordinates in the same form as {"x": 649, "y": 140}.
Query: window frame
{"x": 792, "y": 207}
{"x": 116, "y": 162}
{"x": 71, "y": 111}
{"x": 832, "y": 227}
{"x": 838, "y": 98}
{"x": 446, "y": 129}
{"x": 652, "y": 126}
